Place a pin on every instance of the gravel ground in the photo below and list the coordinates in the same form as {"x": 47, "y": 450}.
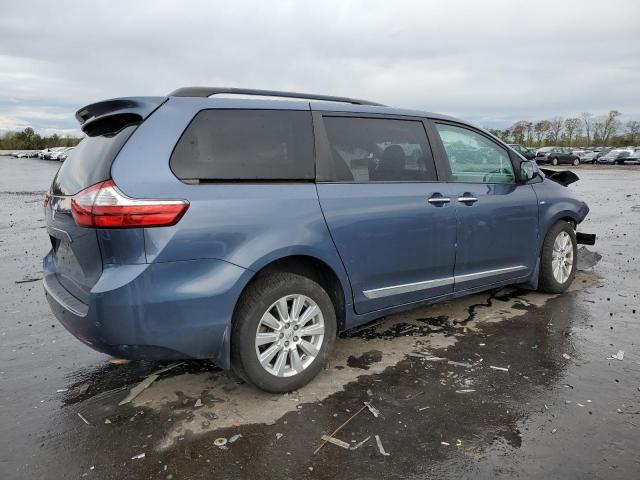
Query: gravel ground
{"x": 557, "y": 407}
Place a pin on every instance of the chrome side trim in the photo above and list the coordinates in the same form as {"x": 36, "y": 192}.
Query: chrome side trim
{"x": 439, "y": 282}
{"x": 407, "y": 288}
{"x": 489, "y": 273}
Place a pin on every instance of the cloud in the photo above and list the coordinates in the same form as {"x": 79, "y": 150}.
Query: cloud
{"x": 492, "y": 62}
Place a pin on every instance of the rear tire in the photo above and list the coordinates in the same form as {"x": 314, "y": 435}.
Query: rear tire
{"x": 558, "y": 259}
{"x": 576, "y": 162}
{"x": 270, "y": 314}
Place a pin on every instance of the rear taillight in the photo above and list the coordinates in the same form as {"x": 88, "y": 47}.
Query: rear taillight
{"x": 104, "y": 206}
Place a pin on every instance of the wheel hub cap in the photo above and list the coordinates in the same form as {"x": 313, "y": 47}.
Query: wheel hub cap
{"x": 289, "y": 335}
{"x": 562, "y": 257}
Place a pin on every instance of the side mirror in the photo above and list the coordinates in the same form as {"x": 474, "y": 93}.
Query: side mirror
{"x": 527, "y": 171}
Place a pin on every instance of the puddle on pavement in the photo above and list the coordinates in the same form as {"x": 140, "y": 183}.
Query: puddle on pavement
{"x": 227, "y": 401}
{"x": 364, "y": 351}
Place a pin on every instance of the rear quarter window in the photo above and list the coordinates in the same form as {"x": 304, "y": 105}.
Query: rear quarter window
{"x": 90, "y": 162}
{"x": 246, "y": 145}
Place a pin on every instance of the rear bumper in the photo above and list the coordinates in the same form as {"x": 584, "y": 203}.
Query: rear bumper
{"x": 154, "y": 311}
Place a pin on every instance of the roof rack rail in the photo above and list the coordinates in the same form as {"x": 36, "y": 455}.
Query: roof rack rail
{"x": 209, "y": 91}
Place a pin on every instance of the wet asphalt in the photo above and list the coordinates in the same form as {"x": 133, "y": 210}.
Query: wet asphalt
{"x": 557, "y": 406}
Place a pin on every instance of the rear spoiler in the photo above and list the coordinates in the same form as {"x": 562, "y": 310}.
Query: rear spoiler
{"x": 110, "y": 116}
{"x": 563, "y": 177}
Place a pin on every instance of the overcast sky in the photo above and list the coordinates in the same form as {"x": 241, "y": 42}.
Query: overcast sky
{"x": 492, "y": 62}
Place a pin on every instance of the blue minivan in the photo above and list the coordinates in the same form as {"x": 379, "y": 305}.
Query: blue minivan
{"x": 249, "y": 227}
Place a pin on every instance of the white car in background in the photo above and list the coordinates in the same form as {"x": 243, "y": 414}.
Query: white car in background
{"x": 62, "y": 156}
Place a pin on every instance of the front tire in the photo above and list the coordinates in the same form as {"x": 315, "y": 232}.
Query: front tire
{"x": 558, "y": 259}
{"x": 283, "y": 331}
{"x": 554, "y": 161}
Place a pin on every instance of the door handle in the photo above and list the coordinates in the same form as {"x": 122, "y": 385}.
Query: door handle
{"x": 467, "y": 199}
{"x": 439, "y": 201}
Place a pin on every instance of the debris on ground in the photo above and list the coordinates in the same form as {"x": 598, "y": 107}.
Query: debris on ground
{"x": 146, "y": 383}
{"x": 235, "y": 437}
{"x": 566, "y": 356}
{"x": 167, "y": 368}
{"x": 374, "y": 411}
{"x": 336, "y": 441}
{"x": 198, "y": 403}
{"x": 465, "y": 390}
{"x": 430, "y": 358}
{"x": 83, "y": 419}
{"x": 107, "y": 421}
{"x": 413, "y": 395}
{"x": 220, "y": 442}
{"x": 459, "y": 364}
{"x": 278, "y": 436}
{"x": 359, "y": 444}
{"x": 28, "y": 280}
{"x": 587, "y": 258}
{"x": 139, "y": 388}
{"x": 119, "y": 361}
{"x": 138, "y": 457}
{"x": 502, "y": 369}
{"x": 617, "y": 356}
{"x": 339, "y": 428}
{"x": 446, "y": 444}
{"x": 380, "y": 447}
{"x": 62, "y": 390}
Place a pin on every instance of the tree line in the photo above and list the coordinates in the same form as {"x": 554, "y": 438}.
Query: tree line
{"x": 584, "y": 131}
{"x": 28, "y": 139}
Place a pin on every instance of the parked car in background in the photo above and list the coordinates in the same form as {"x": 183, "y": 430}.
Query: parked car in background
{"x": 56, "y": 155}
{"x": 250, "y": 231}
{"x": 556, "y": 156}
{"x": 52, "y": 151}
{"x": 601, "y": 151}
{"x": 62, "y": 156}
{"x": 587, "y": 156}
{"x": 617, "y": 156}
{"x": 524, "y": 151}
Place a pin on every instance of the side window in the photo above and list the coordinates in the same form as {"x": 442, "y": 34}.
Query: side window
{"x": 473, "y": 157}
{"x": 378, "y": 150}
{"x": 246, "y": 145}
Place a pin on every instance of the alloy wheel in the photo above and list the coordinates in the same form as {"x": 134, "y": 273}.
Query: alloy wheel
{"x": 562, "y": 257}
{"x": 290, "y": 335}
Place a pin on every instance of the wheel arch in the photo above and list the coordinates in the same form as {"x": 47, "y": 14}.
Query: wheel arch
{"x": 315, "y": 268}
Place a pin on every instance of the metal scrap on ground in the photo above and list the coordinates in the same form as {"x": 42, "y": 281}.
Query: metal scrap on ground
{"x": 144, "y": 384}
{"x": 359, "y": 444}
{"x": 336, "y": 441}
{"x": 139, "y": 388}
{"x": 372, "y": 409}
{"x": 380, "y": 447}
{"x": 459, "y": 364}
{"x": 340, "y": 428}
{"x": 502, "y": 369}
{"x": 83, "y": 419}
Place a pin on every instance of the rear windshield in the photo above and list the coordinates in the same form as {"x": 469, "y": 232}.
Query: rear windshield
{"x": 246, "y": 145}
{"x": 90, "y": 162}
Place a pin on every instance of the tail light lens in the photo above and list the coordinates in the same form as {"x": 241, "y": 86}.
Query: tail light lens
{"x": 104, "y": 206}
